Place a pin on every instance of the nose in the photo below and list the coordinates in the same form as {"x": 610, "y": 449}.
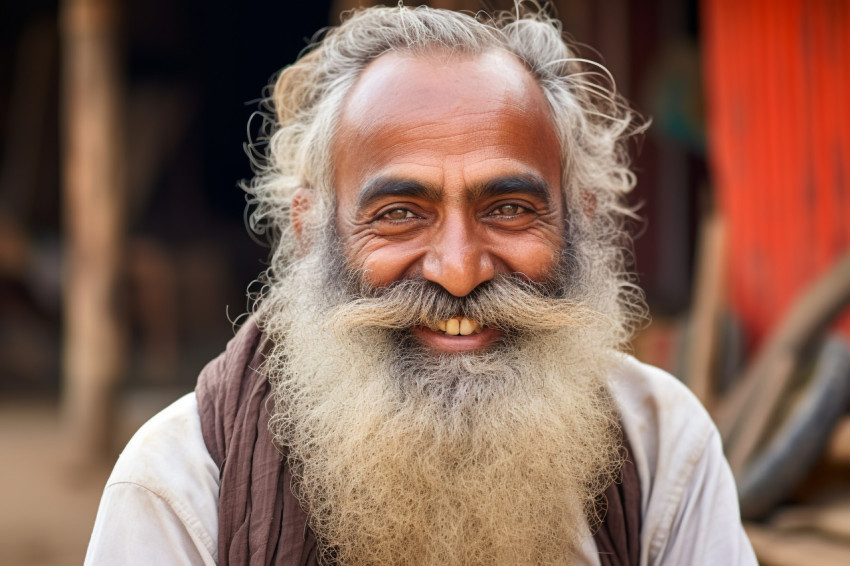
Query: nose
{"x": 458, "y": 259}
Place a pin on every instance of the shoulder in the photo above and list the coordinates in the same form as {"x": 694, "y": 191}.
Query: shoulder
{"x": 658, "y": 412}
{"x": 162, "y": 495}
{"x": 688, "y": 496}
{"x": 667, "y": 428}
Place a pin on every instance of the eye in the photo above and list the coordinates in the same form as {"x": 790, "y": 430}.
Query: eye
{"x": 398, "y": 214}
{"x": 511, "y": 209}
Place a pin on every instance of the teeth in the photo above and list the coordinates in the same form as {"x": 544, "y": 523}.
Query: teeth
{"x": 459, "y": 325}
{"x": 453, "y": 326}
{"x": 466, "y": 326}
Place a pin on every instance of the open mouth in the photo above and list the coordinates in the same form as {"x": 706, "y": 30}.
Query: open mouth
{"x": 457, "y": 334}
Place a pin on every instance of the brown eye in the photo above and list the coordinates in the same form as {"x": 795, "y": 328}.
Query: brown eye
{"x": 398, "y": 214}
{"x": 508, "y": 210}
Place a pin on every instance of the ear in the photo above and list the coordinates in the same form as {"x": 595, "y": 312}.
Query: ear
{"x": 302, "y": 202}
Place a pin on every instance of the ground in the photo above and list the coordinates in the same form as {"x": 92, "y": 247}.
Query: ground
{"x": 47, "y": 505}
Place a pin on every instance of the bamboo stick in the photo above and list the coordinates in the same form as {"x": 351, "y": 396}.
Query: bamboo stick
{"x": 93, "y": 189}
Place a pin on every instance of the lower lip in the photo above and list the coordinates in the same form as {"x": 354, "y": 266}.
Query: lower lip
{"x": 449, "y": 343}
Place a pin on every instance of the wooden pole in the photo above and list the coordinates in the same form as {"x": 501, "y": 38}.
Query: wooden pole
{"x": 707, "y": 309}
{"x": 94, "y": 223}
{"x": 745, "y": 415}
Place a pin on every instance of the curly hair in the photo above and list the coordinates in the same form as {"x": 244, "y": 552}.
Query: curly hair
{"x": 592, "y": 122}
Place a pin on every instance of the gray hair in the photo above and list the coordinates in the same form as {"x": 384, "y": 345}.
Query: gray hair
{"x": 591, "y": 120}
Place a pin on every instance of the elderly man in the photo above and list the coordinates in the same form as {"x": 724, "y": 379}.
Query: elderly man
{"x": 433, "y": 372}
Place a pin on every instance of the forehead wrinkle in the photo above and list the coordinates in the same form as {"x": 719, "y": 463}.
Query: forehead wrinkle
{"x": 444, "y": 126}
{"x": 392, "y": 100}
{"x": 398, "y": 123}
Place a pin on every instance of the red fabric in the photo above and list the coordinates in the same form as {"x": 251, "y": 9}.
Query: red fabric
{"x": 778, "y": 87}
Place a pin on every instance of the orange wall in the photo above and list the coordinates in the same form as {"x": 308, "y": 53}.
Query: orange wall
{"x": 778, "y": 86}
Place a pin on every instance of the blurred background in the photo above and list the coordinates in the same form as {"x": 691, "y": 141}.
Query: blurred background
{"x": 124, "y": 257}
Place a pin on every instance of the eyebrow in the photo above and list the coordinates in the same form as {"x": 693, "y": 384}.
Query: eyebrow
{"x": 527, "y": 184}
{"x": 381, "y": 187}
{"x": 392, "y": 187}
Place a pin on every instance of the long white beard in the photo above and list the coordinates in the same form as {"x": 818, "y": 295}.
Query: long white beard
{"x": 402, "y": 456}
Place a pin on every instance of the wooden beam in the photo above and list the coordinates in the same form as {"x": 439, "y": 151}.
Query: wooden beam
{"x": 707, "y": 309}
{"x": 775, "y": 547}
{"x": 93, "y": 190}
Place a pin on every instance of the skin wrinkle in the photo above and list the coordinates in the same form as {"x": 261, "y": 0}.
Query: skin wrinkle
{"x": 427, "y": 99}
{"x": 426, "y": 143}
{"x": 455, "y": 241}
{"x": 404, "y": 453}
{"x": 591, "y": 122}
{"x": 388, "y": 187}
{"x": 404, "y": 450}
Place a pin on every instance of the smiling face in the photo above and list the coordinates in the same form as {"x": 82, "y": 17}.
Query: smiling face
{"x": 448, "y": 169}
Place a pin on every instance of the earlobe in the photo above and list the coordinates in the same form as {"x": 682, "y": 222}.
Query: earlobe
{"x": 302, "y": 202}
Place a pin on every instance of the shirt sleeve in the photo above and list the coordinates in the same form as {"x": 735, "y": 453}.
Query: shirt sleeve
{"x": 689, "y": 501}
{"x": 706, "y": 522}
{"x": 160, "y": 503}
{"x": 135, "y": 526}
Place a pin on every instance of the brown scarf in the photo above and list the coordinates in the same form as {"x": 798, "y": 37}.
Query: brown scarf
{"x": 261, "y": 523}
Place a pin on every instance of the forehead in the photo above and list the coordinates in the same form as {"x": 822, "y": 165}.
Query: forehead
{"x": 440, "y": 115}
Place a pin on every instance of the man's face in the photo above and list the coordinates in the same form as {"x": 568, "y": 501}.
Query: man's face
{"x": 448, "y": 169}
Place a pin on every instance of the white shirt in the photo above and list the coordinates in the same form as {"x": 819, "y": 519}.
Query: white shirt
{"x": 160, "y": 505}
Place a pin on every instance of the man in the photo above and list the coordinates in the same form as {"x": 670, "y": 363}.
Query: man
{"x": 432, "y": 374}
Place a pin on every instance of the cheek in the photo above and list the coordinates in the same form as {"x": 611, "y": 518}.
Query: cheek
{"x": 385, "y": 264}
{"x": 534, "y": 253}
{"x": 533, "y": 259}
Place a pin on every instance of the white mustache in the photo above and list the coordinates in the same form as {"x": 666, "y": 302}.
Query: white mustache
{"x": 507, "y": 302}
